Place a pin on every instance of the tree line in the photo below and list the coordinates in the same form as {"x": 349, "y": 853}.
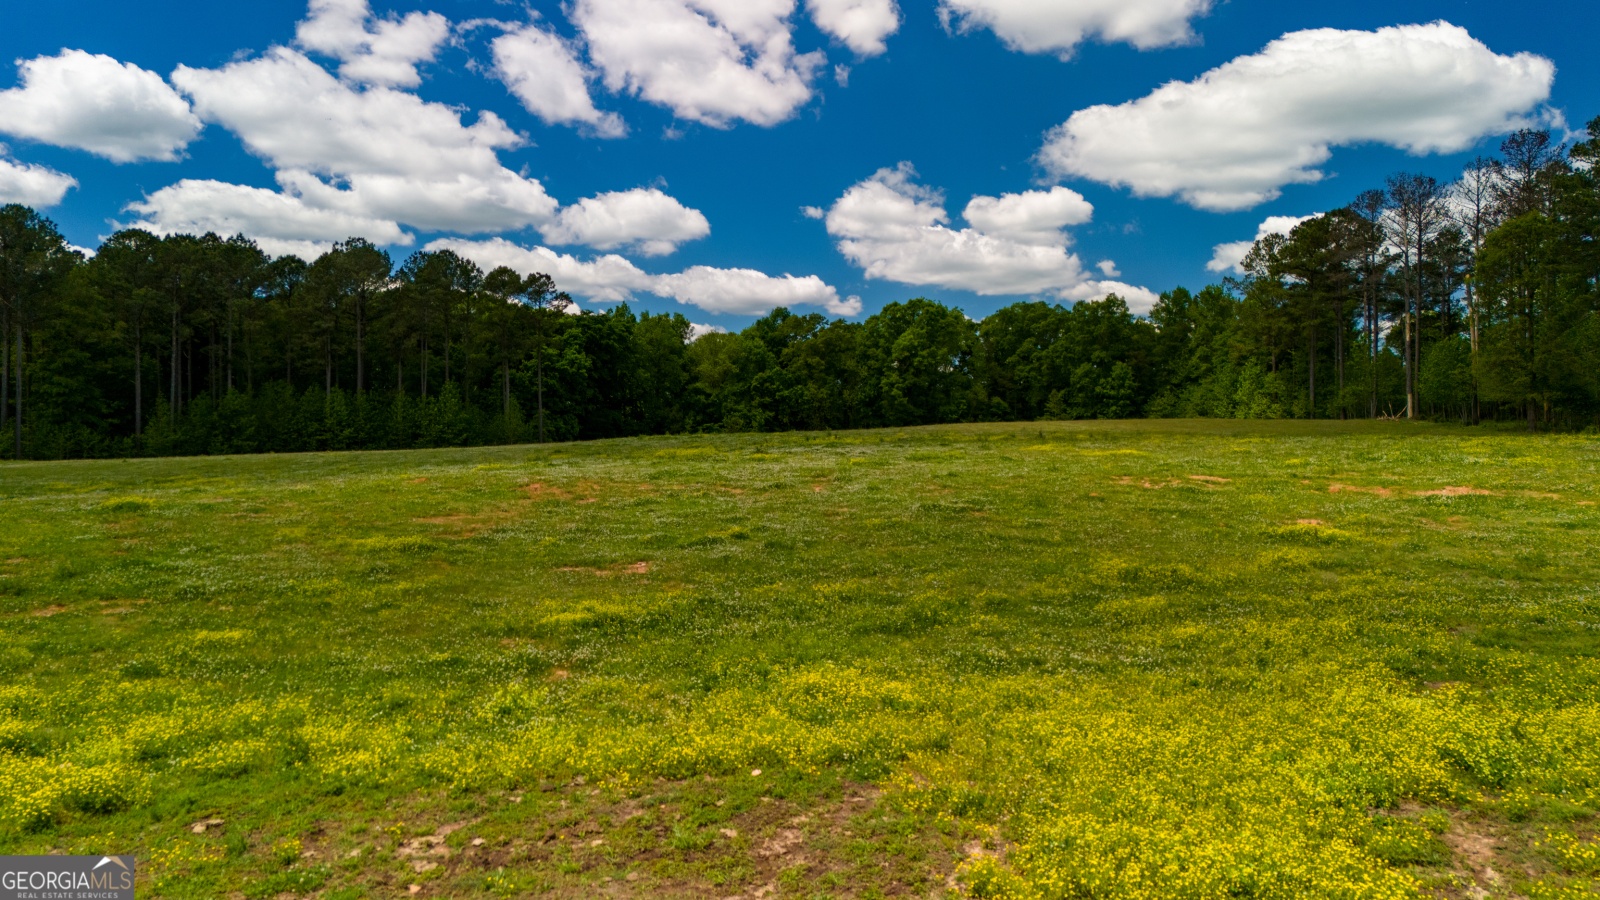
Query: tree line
{"x": 1468, "y": 301}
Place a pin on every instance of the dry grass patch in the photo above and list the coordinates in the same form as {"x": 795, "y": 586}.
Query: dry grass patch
{"x": 638, "y": 568}
{"x": 1456, "y": 492}
{"x": 1358, "y": 489}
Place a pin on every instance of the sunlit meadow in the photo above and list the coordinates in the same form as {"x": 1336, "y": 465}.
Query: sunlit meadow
{"x": 1115, "y": 660}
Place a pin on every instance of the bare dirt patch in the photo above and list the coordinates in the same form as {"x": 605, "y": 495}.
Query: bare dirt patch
{"x": 540, "y": 491}
{"x": 994, "y": 848}
{"x": 1359, "y": 489}
{"x": 671, "y": 841}
{"x": 586, "y": 491}
{"x": 638, "y": 568}
{"x": 1147, "y": 484}
{"x": 465, "y": 525}
{"x": 428, "y": 852}
{"x": 1210, "y": 479}
{"x": 49, "y": 611}
{"x": 1478, "y": 852}
{"x": 1309, "y": 522}
{"x": 1456, "y": 492}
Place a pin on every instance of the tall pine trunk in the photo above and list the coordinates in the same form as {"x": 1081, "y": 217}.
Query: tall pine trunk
{"x": 1338, "y": 358}
{"x": 1312, "y": 367}
{"x": 17, "y": 360}
{"x": 1414, "y": 332}
{"x": 138, "y": 382}
{"x": 173, "y": 396}
{"x": 1472, "y": 332}
{"x": 5, "y": 370}
{"x": 1372, "y": 350}
{"x": 361, "y": 341}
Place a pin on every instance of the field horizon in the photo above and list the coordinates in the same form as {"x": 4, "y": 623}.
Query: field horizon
{"x": 1145, "y": 658}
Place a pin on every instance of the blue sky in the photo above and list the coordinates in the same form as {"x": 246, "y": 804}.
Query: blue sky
{"x": 364, "y": 121}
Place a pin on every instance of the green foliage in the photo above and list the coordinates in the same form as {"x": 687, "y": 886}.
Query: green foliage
{"x": 1398, "y": 304}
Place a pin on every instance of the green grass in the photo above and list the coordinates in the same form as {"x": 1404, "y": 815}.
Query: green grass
{"x": 1055, "y": 660}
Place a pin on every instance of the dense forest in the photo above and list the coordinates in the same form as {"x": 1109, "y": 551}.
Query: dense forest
{"x": 1473, "y": 301}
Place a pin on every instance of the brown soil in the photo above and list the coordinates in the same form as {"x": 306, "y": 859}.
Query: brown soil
{"x": 580, "y": 844}
{"x": 1479, "y": 857}
{"x": 544, "y": 492}
{"x": 638, "y": 568}
{"x": 1147, "y": 484}
{"x": 1456, "y": 492}
{"x": 1354, "y": 489}
{"x": 462, "y": 526}
{"x": 49, "y": 611}
{"x": 586, "y": 491}
{"x": 1210, "y": 479}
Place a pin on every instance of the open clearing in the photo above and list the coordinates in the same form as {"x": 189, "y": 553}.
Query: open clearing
{"x": 1059, "y": 660}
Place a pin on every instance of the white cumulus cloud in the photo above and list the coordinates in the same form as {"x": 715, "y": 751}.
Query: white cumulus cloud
{"x": 862, "y": 25}
{"x": 373, "y": 161}
{"x": 1034, "y": 217}
{"x": 375, "y": 51}
{"x": 545, "y": 73}
{"x": 607, "y": 279}
{"x": 748, "y": 292}
{"x": 31, "y": 185}
{"x": 1234, "y": 137}
{"x": 611, "y": 279}
{"x": 644, "y": 219}
{"x": 1229, "y": 257}
{"x": 898, "y": 230}
{"x": 95, "y": 103}
{"x": 373, "y": 153}
{"x": 280, "y": 224}
{"x": 709, "y": 61}
{"x": 1059, "y": 26}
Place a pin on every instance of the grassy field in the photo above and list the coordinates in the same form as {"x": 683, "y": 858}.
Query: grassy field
{"x": 1029, "y": 661}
